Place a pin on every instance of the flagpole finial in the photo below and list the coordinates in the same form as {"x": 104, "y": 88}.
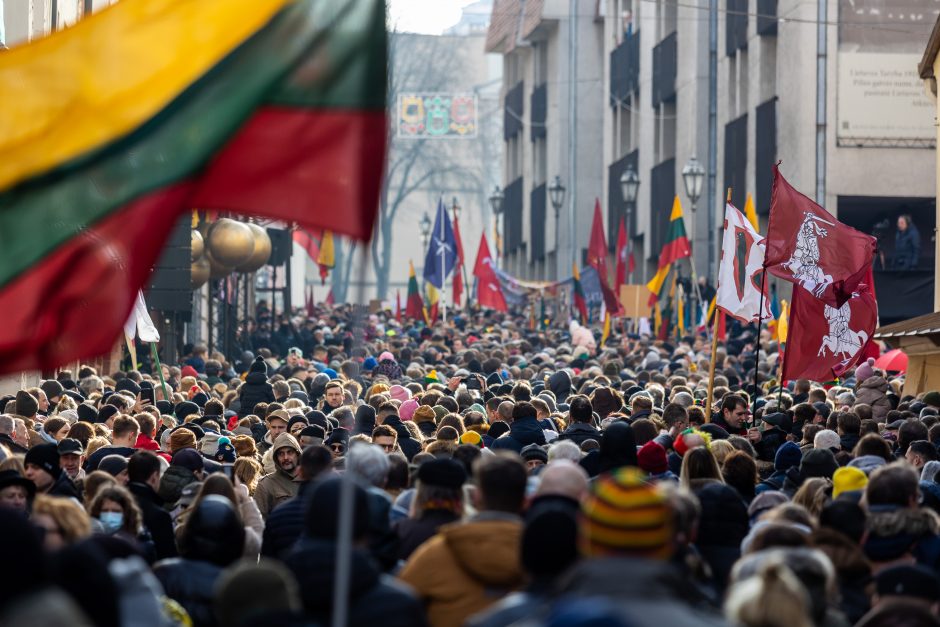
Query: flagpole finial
{"x": 729, "y": 195}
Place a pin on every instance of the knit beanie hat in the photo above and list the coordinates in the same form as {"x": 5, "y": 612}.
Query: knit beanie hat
{"x": 181, "y": 439}
{"x": 652, "y": 458}
{"x": 46, "y": 456}
{"x": 818, "y": 462}
{"x": 209, "y": 444}
{"x": 423, "y": 414}
{"x": 52, "y": 388}
{"x": 532, "y": 452}
{"x": 184, "y": 409}
{"x": 259, "y": 365}
{"x": 474, "y": 438}
{"x": 931, "y": 398}
{"x": 827, "y": 439}
{"x": 684, "y": 443}
{"x": 399, "y": 393}
{"x": 624, "y": 515}
{"x": 788, "y": 456}
{"x": 448, "y": 434}
{"x": 439, "y": 412}
{"x": 26, "y": 404}
{"x": 188, "y": 458}
{"x": 865, "y": 370}
{"x": 244, "y": 446}
{"x": 848, "y": 479}
{"x": 407, "y": 409}
{"x": 369, "y": 363}
{"x": 225, "y": 451}
{"x": 87, "y": 413}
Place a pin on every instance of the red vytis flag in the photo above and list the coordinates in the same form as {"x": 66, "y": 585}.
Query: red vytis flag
{"x": 308, "y": 241}
{"x": 597, "y": 259}
{"x": 489, "y": 291}
{"x": 824, "y": 341}
{"x": 808, "y": 246}
{"x": 625, "y": 262}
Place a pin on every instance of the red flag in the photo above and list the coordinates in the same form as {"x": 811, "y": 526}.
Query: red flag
{"x": 622, "y": 271}
{"x": 489, "y": 291}
{"x": 414, "y": 306}
{"x": 398, "y": 306}
{"x": 330, "y": 299}
{"x": 808, "y": 246}
{"x": 309, "y": 241}
{"x": 457, "y": 239}
{"x": 458, "y": 275}
{"x": 597, "y": 259}
{"x": 824, "y": 341}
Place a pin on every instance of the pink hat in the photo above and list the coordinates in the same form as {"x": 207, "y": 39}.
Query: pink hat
{"x": 398, "y": 393}
{"x": 407, "y": 409}
{"x": 386, "y": 355}
{"x": 865, "y": 370}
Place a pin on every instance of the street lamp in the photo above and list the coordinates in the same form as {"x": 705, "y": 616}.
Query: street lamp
{"x": 425, "y": 229}
{"x": 556, "y": 194}
{"x": 496, "y": 204}
{"x": 629, "y": 187}
{"x": 693, "y": 176}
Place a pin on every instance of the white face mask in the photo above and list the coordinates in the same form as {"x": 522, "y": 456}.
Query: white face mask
{"x": 111, "y": 521}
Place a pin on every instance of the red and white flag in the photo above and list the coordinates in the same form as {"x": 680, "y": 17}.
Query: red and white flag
{"x": 808, "y": 246}
{"x": 741, "y": 269}
{"x": 824, "y": 341}
{"x": 489, "y": 291}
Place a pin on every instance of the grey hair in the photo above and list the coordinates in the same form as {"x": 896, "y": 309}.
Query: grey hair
{"x": 683, "y": 398}
{"x": 565, "y": 449}
{"x": 90, "y": 384}
{"x": 368, "y": 462}
{"x": 7, "y": 424}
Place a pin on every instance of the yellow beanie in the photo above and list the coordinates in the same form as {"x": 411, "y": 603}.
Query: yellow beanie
{"x": 848, "y": 479}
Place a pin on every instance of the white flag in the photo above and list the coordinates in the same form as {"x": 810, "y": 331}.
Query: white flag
{"x": 739, "y": 275}
{"x": 139, "y": 322}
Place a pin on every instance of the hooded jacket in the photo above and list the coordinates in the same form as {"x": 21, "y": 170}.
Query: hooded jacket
{"x": 466, "y": 568}
{"x": 522, "y": 432}
{"x": 560, "y": 385}
{"x": 893, "y": 531}
{"x": 874, "y": 391}
{"x": 279, "y": 486}
{"x": 254, "y": 390}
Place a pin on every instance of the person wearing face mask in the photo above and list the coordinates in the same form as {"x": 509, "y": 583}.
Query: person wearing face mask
{"x": 114, "y": 512}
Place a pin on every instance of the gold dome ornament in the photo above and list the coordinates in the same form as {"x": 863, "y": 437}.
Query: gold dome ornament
{"x": 230, "y": 243}
{"x": 198, "y": 245}
{"x": 199, "y": 273}
{"x": 216, "y": 269}
{"x": 262, "y": 250}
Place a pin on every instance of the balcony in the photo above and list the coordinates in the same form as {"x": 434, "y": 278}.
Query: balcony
{"x": 625, "y": 68}
{"x": 513, "y": 108}
{"x": 538, "y": 103}
{"x": 664, "y": 70}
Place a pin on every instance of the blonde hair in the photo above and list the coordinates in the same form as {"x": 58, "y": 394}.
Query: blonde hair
{"x": 721, "y": 449}
{"x": 812, "y": 495}
{"x": 68, "y": 515}
{"x": 248, "y": 471}
{"x": 699, "y": 463}
{"x": 94, "y": 444}
{"x": 293, "y": 403}
{"x": 66, "y": 402}
{"x": 93, "y": 482}
{"x": 773, "y": 597}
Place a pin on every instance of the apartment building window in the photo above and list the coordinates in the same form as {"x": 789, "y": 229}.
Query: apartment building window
{"x": 765, "y": 149}
{"x": 616, "y": 207}
{"x": 735, "y": 26}
{"x": 736, "y": 160}
{"x": 514, "y": 157}
{"x": 662, "y": 192}
{"x": 665, "y": 67}
{"x": 537, "y": 222}
{"x": 766, "y": 17}
{"x": 667, "y": 22}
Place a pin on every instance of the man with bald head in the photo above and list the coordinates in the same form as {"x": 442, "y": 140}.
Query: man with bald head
{"x": 562, "y": 477}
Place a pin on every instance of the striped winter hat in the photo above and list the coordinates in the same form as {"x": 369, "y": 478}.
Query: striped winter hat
{"x": 624, "y": 515}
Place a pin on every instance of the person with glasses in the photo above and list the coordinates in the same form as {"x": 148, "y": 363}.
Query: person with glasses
{"x": 385, "y": 438}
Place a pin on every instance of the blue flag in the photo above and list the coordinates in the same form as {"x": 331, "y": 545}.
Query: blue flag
{"x": 442, "y": 250}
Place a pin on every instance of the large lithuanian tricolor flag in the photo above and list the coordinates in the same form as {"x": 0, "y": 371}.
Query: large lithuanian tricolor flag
{"x": 113, "y": 128}
{"x": 675, "y": 247}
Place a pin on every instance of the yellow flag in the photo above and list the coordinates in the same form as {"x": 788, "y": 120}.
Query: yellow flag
{"x": 680, "y": 310}
{"x": 783, "y": 322}
{"x": 750, "y": 213}
{"x": 657, "y": 318}
{"x": 326, "y": 257}
{"x": 606, "y": 333}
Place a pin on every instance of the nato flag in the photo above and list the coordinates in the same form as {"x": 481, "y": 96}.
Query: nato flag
{"x": 442, "y": 250}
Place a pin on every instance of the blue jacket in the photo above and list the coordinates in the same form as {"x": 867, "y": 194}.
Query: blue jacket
{"x": 906, "y": 248}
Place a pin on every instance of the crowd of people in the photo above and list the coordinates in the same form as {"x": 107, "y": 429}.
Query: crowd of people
{"x": 498, "y": 474}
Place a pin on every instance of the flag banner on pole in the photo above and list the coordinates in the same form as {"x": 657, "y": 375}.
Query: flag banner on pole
{"x": 621, "y": 268}
{"x": 458, "y": 275}
{"x": 398, "y": 306}
{"x": 139, "y": 324}
{"x": 442, "y": 250}
{"x": 675, "y": 248}
{"x": 741, "y": 269}
{"x": 432, "y": 311}
{"x": 489, "y": 290}
{"x": 577, "y": 293}
{"x": 309, "y": 241}
{"x": 808, "y": 246}
{"x": 414, "y": 306}
{"x": 827, "y": 341}
{"x": 326, "y": 258}
{"x": 597, "y": 259}
{"x": 132, "y": 117}
{"x": 750, "y": 213}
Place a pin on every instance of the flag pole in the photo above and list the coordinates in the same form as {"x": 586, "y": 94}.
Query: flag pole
{"x": 156, "y": 360}
{"x": 711, "y": 368}
{"x": 442, "y": 217}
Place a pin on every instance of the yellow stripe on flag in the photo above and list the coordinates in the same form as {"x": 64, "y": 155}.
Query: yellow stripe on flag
{"x": 750, "y": 213}
{"x": 676, "y": 210}
{"x": 783, "y": 323}
{"x": 656, "y": 283}
{"x": 86, "y": 86}
{"x": 327, "y": 254}
{"x": 606, "y": 332}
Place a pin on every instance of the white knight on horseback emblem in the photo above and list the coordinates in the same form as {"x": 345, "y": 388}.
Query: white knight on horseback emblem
{"x": 842, "y": 340}
{"x": 804, "y": 262}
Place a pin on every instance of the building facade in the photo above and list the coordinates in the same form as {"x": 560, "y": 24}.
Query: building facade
{"x": 848, "y": 120}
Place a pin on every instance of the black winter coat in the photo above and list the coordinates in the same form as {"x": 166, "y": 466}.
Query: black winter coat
{"x": 579, "y": 432}
{"x": 156, "y": 519}
{"x": 375, "y": 599}
{"x": 256, "y": 389}
{"x": 190, "y": 583}
{"x": 413, "y": 532}
{"x": 522, "y": 432}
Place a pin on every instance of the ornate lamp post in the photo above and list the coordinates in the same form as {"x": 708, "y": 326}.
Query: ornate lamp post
{"x": 556, "y": 194}
{"x": 496, "y": 204}
{"x": 629, "y": 187}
